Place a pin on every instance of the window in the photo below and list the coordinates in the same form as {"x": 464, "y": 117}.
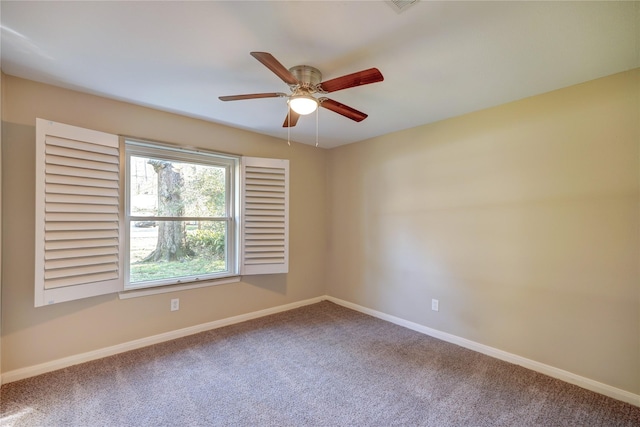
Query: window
{"x": 180, "y": 215}
{"x": 115, "y": 215}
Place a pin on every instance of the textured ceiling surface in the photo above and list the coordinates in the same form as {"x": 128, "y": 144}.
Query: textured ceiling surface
{"x": 439, "y": 59}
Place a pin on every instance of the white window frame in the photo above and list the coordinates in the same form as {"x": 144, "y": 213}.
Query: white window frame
{"x": 160, "y": 151}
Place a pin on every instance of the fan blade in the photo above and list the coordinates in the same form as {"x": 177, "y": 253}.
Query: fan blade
{"x": 252, "y": 96}
{"x": 276, "y": 67}
{"x": 294, "y": 119}
{"x": 342, "y": 109}
{"x": 365, "y": 77}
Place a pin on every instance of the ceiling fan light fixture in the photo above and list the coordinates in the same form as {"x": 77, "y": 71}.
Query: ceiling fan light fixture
{"x": 303, "y": 104}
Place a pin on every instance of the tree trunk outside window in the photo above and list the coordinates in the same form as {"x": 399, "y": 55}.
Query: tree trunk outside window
{"x": 172, "y": 235}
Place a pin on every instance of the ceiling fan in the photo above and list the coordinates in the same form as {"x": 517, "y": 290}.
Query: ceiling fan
{"x": 305, "y": 81}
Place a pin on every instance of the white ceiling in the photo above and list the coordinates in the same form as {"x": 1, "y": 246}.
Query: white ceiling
{"x": 439, "y": 59}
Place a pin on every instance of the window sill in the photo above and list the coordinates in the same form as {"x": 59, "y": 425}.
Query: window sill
{"x": 135, "y": 293}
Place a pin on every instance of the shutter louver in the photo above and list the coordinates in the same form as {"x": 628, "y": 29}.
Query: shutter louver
{"x": 265, "y": 216}
{"x": 78, "y": 218}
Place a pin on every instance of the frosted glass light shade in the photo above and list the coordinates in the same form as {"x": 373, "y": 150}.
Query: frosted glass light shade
{"x": 303, "y": 104}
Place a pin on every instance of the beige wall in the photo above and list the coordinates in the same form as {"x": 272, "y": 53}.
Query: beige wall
{"x": 1, "y": 101}
{"x": 522, "y": 220}
{"x": 36, "y": 335}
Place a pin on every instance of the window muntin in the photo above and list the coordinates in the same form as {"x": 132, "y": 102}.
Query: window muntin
{"x": 180, "y": 213}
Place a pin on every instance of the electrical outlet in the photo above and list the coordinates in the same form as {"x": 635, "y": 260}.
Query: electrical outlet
{"x": 175, "y": 304}
{"x": 434, "y": 304}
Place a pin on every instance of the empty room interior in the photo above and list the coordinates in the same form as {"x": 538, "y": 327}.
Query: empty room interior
{"x": 451, "y": 236}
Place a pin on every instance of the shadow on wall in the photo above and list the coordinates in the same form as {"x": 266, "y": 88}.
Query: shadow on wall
{"x": 272, "y": 282}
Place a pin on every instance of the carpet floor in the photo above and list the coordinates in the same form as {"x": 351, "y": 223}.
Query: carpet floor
{"x": 319, "y": 365}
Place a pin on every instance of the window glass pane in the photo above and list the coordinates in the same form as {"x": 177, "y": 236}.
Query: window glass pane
{"x": 143, "y": 187}
{"x": 204, "y": 190}
{"x": 162, "y": 250}
{"x": 173, "y": 188}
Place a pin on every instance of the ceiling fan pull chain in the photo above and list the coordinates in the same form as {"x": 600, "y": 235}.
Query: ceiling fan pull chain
{"x": 317, "y": 115}
{"x": 289, "y": 125}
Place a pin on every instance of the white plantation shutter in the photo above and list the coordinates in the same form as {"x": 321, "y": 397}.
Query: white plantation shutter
{"x": 265, "y": 216}
{"x": 77, "y": 213}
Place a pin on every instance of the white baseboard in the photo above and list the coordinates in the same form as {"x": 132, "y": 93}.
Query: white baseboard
{"x": 551, "y": 371}
{"x": 30, "y": 371}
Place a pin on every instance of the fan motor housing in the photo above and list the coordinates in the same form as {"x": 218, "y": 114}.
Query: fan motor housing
{"x": 309, "y": 77}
